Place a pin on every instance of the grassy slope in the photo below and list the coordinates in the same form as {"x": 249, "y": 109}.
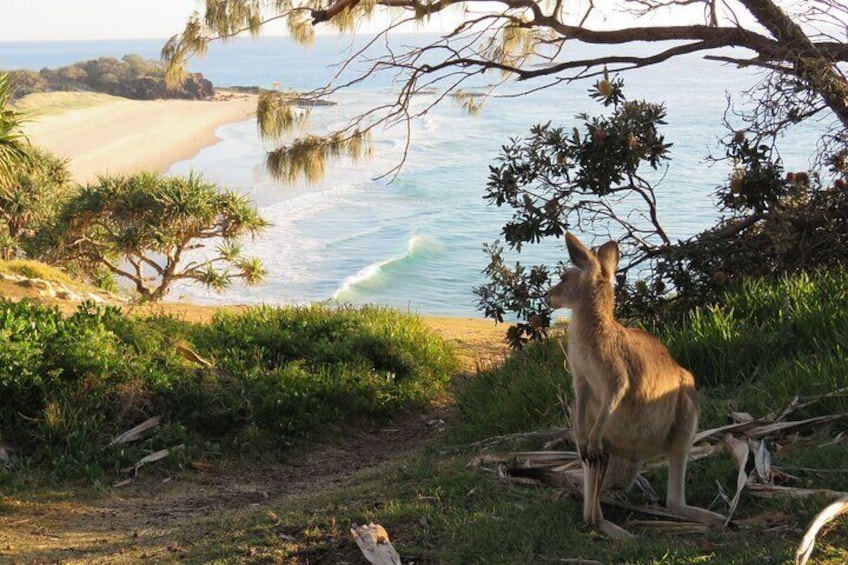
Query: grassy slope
{"x": 438, "y": 510}
{"x": 51, "y": 103}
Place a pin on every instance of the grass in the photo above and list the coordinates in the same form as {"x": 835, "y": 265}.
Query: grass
{"x": 786, "y": 337}
{"x": 35, "y": 270}
{"x": 278, "y": 377}
{"x": 768, "y": 342}
{"x": 41, "y": 104}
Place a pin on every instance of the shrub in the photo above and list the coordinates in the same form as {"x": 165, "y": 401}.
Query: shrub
{"x": 68, "y": 385}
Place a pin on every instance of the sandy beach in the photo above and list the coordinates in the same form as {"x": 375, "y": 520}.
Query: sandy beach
{"x": 122, "y": 136}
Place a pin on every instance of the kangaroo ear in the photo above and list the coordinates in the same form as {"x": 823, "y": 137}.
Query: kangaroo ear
{"x": 608, "y": 256}
{"x": 580, "y": 255}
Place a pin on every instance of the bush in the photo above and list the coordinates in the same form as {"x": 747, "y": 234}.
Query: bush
{"x": 68, "y": 385}
{"x": 30, "y": 204}
{"x": 131, "y": 77}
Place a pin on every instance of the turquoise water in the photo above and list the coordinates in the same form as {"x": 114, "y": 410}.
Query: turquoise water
{"x": 416, "y": 242}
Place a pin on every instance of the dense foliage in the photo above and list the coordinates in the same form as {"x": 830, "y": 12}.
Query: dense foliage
{"x": 131, "y": 77}
{"x": 587, "y": 178}
{"x": 15, "y": 150}
{"x": 268, "y": 377}
{"x": 30, "y": 204}
{"x": 774, "y": 223}
{"x": 590, "y": 179}
{"x": 153, "y": 231}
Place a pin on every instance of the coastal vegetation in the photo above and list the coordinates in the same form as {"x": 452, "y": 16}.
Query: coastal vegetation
{"x": 256, "y": 385}
{"x": 248, "y": 383}
{"x": 14, "y": 146}
{"x": 132, "y": 76}
{"x": 597, "y": 178}
{"x": 30, "y": 202}
{"x": 757, "y": 307}
{"x": 154, "y": 231}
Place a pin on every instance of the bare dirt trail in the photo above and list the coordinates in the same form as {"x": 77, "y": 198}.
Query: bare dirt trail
{"x": 151, "y": 518}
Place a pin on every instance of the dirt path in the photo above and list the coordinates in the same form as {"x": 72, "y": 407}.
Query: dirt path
{"x": 146, "y": 520}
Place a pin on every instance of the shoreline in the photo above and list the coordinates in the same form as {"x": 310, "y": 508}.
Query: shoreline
{"x": 110, "y": 135}
{"x": 121, "y": 136}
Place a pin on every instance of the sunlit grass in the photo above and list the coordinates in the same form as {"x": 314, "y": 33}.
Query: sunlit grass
{"x": 41, "y": 104}
{"x": 35, "y": 270}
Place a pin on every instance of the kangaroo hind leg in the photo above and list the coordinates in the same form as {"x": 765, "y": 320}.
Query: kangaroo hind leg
{"x": 593, "y": 474}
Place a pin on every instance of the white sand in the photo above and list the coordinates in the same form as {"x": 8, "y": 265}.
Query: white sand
{"x": 128, "y": 136}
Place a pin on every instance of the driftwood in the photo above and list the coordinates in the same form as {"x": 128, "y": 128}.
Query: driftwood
{"x": 374, "y": 542}
{"x": 137, "y": 432}
{"x": 747, "y": 439}
{"x": 830, "y": 512}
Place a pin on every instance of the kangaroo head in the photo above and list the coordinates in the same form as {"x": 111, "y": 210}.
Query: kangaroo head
{"x": 590, "y": 274}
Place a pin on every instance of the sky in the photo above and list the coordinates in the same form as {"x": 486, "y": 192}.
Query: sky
{"x": 48, "y": 20}
{"x": 62, "y": 20}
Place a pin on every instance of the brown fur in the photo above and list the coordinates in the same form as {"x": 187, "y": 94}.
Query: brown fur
{"x": 632, "y": 400}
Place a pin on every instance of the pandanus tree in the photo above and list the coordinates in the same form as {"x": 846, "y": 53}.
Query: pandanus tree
{"x": 15, "y": 150}
{"x": 153, "y": 231}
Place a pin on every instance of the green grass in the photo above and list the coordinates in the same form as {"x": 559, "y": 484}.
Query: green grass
{"x": 767, "y": 342}
{"x": 35, "y": 270}
{"x": 280, "y": 376}
{"x": 41, "y": 104}
{"x": 529, "y": 392}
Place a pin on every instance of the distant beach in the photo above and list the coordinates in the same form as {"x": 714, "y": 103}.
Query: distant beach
{"x": 118, "y": 136}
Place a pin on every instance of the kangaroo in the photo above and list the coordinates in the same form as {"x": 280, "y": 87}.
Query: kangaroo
{"x": 632, "y": 400}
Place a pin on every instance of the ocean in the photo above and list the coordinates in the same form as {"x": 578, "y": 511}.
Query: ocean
{"x": 415, "y": 243}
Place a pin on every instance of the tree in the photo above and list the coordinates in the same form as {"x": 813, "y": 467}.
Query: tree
{"x": 558, "y": 178}
{"x": 15, "y": 150}
{"x": 30, "y": 204}
{"x": 148, "y": 229}
{"x": 800, "y": 47}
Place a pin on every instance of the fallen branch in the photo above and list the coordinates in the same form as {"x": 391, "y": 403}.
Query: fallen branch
{"x": 152, "y": 458}
{"x": 771, "y": 491}
{"x": 749, "y": 448}
{"x": 373, "y": 541}
{"x": 803, "y": 402}
{"x": 137, "y": 432}
{"x": 525, "y": 436}
{"x": 831, "y": 512}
